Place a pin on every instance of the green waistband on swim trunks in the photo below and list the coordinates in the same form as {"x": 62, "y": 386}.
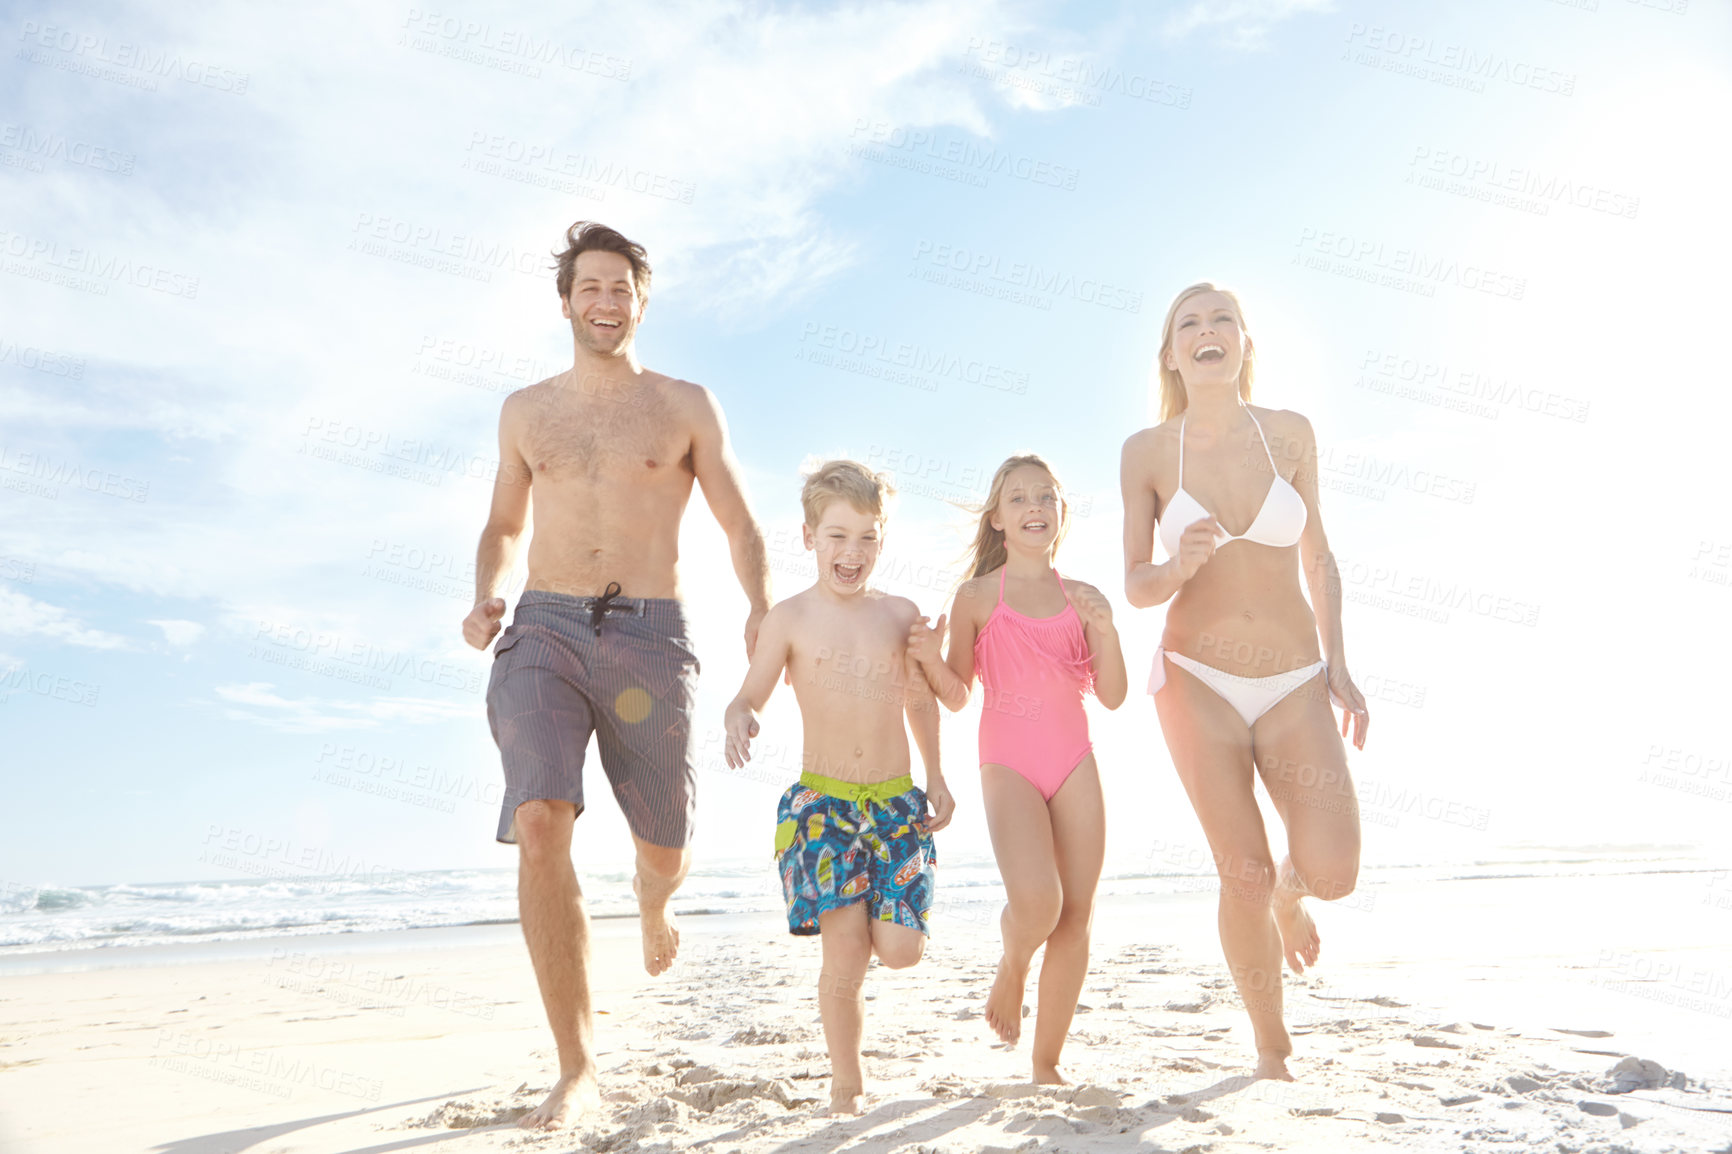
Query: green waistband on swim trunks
{"x": 859, "y": 792}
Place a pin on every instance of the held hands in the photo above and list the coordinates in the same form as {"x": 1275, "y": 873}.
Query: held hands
{"x": 1347, "y": 698}
{"x": 943, "y": 805}
{"x": 924, "y": 642}
{"x": 482, "y": 624}
{"x": 742, "y": 725}
{"x": 1196, "y": 546}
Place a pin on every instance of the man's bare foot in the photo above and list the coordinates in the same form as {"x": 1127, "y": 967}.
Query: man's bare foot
{"x": 571, "y": 1096}
{"x": 845, "y": 1099}
{"x": 1299, "y": 940}
{"x": 661, "y": 940}
{"x": 1004, "y": 1003}
{"x": 1048, "y": 1075}
{"x": 1272, "y": 1065}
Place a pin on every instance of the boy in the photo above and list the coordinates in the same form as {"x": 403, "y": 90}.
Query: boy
{"x": 853, "y": 841}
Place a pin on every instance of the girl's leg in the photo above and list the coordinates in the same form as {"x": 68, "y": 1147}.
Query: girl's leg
{"x": 847, "y": 943}
{"x": 1016, "y": 817}
{"x": 1079, "y": 821}
{"x": 1211, "y": 749}
{"x": 1304, "y": 765}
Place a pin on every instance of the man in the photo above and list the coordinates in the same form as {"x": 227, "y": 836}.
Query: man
{"x": 609, "y": 451}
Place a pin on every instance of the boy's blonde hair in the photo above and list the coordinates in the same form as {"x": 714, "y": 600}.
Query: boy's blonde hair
{"x": 988, "y": 552}
{"x": 850, "y": 481}
{"x": 1172, "y": 386}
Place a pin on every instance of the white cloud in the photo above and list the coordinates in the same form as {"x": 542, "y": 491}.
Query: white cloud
{"x": 258, "y": 702}
{"x": 23, "y": 616}
{"x": 179, "y": 633}
{"x": 1244, "y": 24}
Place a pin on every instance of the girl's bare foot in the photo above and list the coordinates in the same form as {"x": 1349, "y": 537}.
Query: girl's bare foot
{"x": 570, "y": 1097}
{"x": 1048, "y": 1075}
{"x": 1004, "y": 1003}
{"x": 845, "y": 1099}
{"x": 1299, "y": 940}
{"x": 1272, "y": 1065}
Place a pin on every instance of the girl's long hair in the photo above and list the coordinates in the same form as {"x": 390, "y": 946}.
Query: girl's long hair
{"x": 987, "y": 551}
{"x": 1171, "y": 385}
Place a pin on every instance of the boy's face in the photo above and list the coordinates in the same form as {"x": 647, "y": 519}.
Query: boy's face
{"x": 846, "y": 541}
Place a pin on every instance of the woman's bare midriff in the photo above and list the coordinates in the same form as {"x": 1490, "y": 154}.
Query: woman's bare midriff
{"x": 1243, "y": 613}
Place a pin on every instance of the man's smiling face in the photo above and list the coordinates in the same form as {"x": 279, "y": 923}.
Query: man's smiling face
{"x": 603, "y": 306}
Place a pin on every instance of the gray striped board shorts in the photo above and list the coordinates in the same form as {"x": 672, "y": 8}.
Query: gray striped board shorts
{"x": 562, "y": 671}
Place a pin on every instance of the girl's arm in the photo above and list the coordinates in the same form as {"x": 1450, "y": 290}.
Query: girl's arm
{"x": 956, "y": 672}
{"x": 769, "y": 659}
{"x": 1105, "y": 656}
{"x": 1323, "y": 580}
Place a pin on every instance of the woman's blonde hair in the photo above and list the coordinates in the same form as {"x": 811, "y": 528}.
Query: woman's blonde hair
{"x": 988, "y": 552}
{"x": 1173, "y": 398}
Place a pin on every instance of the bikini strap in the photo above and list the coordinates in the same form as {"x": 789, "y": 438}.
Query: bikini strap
{"x": 1262, "y": 437}
{"x": 1182, "y": 418}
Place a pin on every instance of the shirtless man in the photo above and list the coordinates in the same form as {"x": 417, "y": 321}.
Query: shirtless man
{"x": 609, "y": 451}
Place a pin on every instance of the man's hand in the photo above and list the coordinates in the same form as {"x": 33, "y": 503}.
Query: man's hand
{"x": 482, "y": 624}
{"x": 939, "y": 798}
{"x": 741, "y": 724}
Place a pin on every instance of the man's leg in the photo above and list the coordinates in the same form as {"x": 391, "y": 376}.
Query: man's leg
{"x": 660, "y": 870}
{"x": 557, "y": 931}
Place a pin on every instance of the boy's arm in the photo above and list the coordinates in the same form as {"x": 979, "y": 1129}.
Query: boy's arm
{"x": 769, "y": 658}
{"x": 922, "y": 710}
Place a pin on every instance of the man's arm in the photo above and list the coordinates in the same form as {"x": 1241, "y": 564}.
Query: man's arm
{"x": 507, "y": 518}
{"x": 719, "y": 476}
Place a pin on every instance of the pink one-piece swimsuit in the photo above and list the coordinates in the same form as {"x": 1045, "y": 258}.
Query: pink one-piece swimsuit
{"x": 1034, "y": 671}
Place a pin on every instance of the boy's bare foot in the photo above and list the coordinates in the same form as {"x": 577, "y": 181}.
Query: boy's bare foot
{"x": 845, "y": 1099}
{"x": 1299, "y": 940}
{"x": 661, "y": 940}
{"x": 1272, "y": 1065}
{"x": 1045, "y": 1075}
{"x": 570, "y": 1097}
{"x": 1004, "y": 1003}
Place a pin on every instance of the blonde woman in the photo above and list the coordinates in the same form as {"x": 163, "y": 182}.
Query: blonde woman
{"x": 1246, "y": 670}
{"x": 1039, "y": 641}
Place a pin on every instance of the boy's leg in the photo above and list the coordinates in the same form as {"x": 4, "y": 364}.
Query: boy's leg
{"x": 1017, "y": 819}
{"x": 847, "y": 943}
{"x": 896, "y": 946}
{"x": 1079, "y": 843}
{"x": 556, "y": 929}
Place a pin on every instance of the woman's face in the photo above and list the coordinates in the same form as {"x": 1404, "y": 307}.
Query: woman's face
{"x": 1208, "y": 344}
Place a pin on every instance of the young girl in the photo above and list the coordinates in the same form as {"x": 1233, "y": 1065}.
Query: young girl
{"x": 1038, "y": 642}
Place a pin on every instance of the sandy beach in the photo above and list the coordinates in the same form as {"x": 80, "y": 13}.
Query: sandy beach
{"x": 1561, "y": 1032}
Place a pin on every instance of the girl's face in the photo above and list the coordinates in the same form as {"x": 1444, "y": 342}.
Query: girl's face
{"x": 1208, "y": 343}
{"x": 1028, "y": 509}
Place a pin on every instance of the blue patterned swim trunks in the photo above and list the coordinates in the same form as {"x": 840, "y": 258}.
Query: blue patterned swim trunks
{"x": 840, "y": 843}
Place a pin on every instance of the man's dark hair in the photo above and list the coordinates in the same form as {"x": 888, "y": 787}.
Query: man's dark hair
{"x": 588, "y": 236}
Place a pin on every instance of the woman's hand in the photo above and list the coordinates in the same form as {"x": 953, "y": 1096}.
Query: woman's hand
{"x": 1196, "y": 546}
{"x": 1348, "y": 699}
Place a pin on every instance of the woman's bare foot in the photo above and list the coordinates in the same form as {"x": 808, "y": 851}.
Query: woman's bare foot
{"x": 1048, "y": 1075}
{"x": 661, "y": 940}
{"x": 570, "y": 1097}
{"x": 1004, "y": 1003}
{"x": 1272, "y": 1065}
{"x": 845, "y": 1099}
{"x": 1299, "y": 940}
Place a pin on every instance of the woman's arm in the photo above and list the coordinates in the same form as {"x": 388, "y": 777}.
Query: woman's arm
{"x": 1146, "y": 582}
{"x": 1323, "y": 579}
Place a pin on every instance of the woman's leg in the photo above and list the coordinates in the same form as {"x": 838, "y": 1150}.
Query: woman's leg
{"x": 1079, "y": 819}
{"x": 1304, "y": 765}
{"x": 1016, "y": 817}
{"x": 1211, "y": 749}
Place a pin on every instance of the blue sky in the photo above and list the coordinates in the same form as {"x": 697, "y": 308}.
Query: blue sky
{"x": 267, "y": 281}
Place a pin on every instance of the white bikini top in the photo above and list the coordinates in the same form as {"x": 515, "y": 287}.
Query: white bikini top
{"x": 1279, "y": 522}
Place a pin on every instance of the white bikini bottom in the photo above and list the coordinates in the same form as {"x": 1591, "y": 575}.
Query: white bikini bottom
{"x": 1251, "y": 697}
